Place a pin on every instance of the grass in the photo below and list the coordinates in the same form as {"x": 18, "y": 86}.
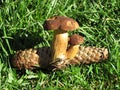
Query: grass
{"x": 21, "y": 27}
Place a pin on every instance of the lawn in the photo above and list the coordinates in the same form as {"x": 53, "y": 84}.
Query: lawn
{"x": 21, "y": 27}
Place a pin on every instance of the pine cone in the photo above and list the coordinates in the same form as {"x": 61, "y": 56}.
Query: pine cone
{"x": 42, "y": 58}
{"x": 32, "y": 58}
{"x": 85, "y": 55}
{"x": 27, "y": 59}
{"x": 89, "y": 54}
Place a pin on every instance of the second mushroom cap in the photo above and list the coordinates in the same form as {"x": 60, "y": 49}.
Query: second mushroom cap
{"x": 76, "y": 39}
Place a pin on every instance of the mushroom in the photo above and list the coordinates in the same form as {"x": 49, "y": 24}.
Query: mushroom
{"x": 61, "y": 25}
{"x": 75, "y": 41}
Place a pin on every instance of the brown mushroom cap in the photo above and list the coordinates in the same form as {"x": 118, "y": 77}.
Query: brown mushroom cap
{"x": 76, "y": 39}
{"x": 60, "y": 23}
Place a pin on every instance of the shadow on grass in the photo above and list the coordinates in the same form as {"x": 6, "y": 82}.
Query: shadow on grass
{"x": 25, "y": 41}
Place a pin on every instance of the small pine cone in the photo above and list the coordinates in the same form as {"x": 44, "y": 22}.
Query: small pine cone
{"x": 89, "y": 54}
{"x": 27, "y": 59}
{"x": 32, "y": 58}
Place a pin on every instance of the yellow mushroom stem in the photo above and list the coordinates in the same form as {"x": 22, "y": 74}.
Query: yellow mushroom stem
{"x": 59, "y": 46}
{"x": 74, "y": 41}
{"x": 72, "y": 51}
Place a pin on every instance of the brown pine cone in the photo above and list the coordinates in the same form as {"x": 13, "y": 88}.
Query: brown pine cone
{"x": 89, "y": 54}
{"x": 32, "y": 58}
{"x": 27, "y": 59}
{"x": 85, "y": 55}
{"x": 41, "y": 58}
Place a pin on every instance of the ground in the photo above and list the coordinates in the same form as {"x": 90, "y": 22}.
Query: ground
{"x": 21, "y": 27}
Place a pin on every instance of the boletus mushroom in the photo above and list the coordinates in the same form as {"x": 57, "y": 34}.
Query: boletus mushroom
{"x": 74, "y": 44}
{"x": 72, "y": 54}
{"x": 61, "y": 25}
